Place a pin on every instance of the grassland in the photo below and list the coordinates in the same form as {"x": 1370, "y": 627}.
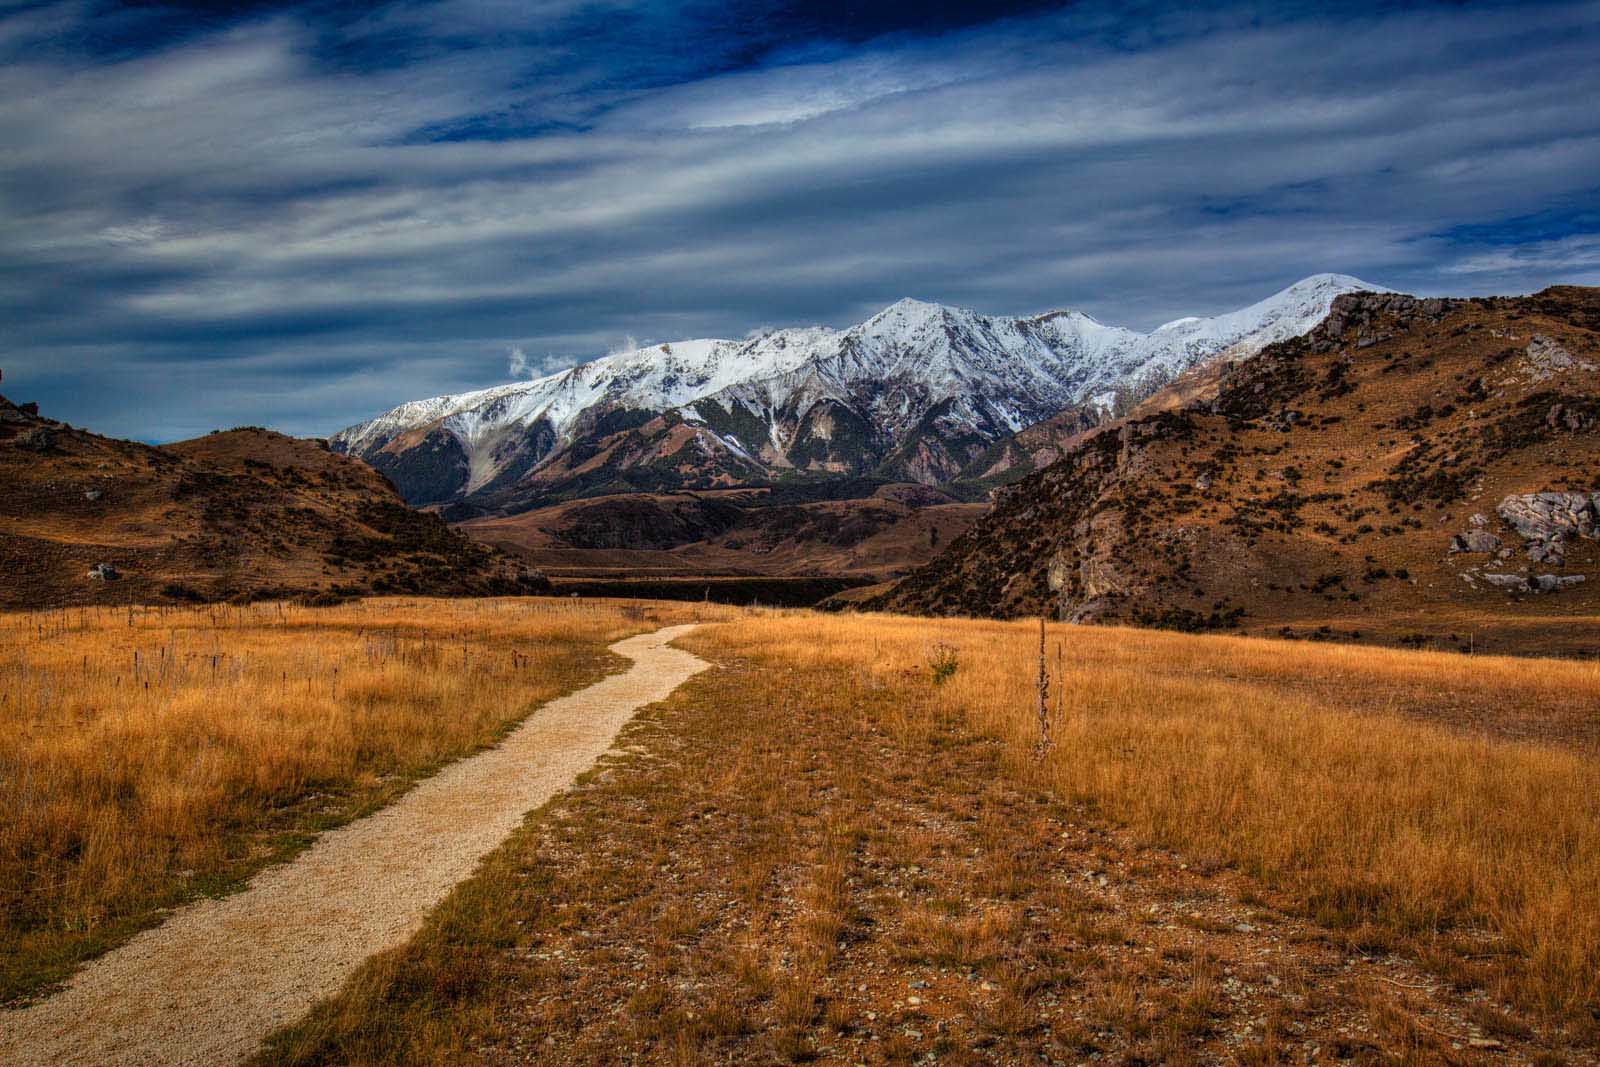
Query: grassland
{"x": 1290, "y": 762}
{"x": 1233, "y": 850}
{"x": 149, "y": 755}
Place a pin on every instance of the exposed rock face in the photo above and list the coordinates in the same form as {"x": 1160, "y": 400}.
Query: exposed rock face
{"x": 1546, "y": 358}
{"x": 1547, "y": 521}
{"x": 1526, "y": 583}
{"x": 1354, "y": 317}
{"x": 38, "y": 439}
{"x": 1475, "y": 541}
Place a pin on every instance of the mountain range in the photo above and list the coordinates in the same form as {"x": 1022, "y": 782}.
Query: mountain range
{"x": 1416, "y": 471}
{"x": 920, "y": 392}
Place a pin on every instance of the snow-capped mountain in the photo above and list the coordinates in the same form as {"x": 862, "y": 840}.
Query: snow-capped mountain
{"x": 915, "y": 392}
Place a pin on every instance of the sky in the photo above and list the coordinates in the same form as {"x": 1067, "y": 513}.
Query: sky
{"x": 300, "y": 215}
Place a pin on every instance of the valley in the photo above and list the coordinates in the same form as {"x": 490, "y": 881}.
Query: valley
{"x": 774, "y": 533}
{"x": 638, "y": 534}
{"x": 845, "y": 841}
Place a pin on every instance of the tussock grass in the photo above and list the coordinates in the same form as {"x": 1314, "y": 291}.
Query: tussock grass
{"x": 147, "y": 755}
{"x": 1269, "y": 755}
{"x": 825, "y": 862}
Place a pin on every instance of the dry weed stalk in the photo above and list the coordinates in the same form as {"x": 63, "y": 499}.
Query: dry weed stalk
{"x": 1042, "y": 746}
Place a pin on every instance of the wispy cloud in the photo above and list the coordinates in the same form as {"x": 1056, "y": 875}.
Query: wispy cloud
{"x": 301, "y": 216}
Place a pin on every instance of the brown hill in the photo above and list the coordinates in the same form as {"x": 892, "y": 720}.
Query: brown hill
{"x": 245, "y": 513}
{"x": 733, "y": 532}
{"x": 1412, "y": 469}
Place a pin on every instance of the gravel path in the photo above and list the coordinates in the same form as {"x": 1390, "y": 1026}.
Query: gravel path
{"x": 213, "y": 980}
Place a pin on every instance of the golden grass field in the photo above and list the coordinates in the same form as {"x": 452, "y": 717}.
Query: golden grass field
{"x": 1311, "y": 766}
{"x": 1430, "y": 808}
{"x": 150, "y": 754}
{"x": 1234, "y": 850}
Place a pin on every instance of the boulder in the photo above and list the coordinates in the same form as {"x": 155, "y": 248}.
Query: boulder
{"x": 1553, "y": 551}
{"x": 92, "y": 495}
{"x": 103, "y": 572}
{"x": 38, "y": 439}
{"x": 1547, "y": 521}
{"x": 1542, "y": 583}
{"x": 1546, "y": 357}
{"x": 1475, "y": 541}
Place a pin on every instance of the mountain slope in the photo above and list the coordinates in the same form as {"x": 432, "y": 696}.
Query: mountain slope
{"x": 1408, "y": 463}
{"x": 241, "y": 514}
{"x": 917, "y": 392}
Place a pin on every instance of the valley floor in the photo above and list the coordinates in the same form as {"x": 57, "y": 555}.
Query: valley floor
{"x": 1232, "y": 852}
{"x": 845, "y": 844}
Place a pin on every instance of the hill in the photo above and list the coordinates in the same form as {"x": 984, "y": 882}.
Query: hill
{"x": 1411, "y": 470}
{"x": 882, "y": 533}
{"x": 246, "y": 513}
{"x": 918, "y": 393}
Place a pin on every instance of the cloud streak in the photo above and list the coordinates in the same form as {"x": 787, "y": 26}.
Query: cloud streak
{"x": 300, "y": 218}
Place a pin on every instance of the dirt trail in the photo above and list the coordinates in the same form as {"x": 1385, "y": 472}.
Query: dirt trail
{"x": 206, "y": 986}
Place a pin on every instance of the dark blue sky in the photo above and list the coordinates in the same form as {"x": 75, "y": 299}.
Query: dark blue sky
{"x": 300, "y": 215}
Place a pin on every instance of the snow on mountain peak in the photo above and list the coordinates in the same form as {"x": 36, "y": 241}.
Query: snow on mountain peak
{"x": 987, "y": 375}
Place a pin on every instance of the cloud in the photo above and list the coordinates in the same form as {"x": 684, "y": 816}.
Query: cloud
{"x": 517, "y": 364}
{"x": 629, "y": 343}
{"x": 300, "y": 218}
{"x": 1574, "y": 258}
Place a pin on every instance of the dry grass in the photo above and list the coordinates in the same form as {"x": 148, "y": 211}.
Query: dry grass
{"x": 1268, "y": 755}
{"x": 820, "y": 862}
{"x": 817, "y": 853}
{"x": 148, "y": 755}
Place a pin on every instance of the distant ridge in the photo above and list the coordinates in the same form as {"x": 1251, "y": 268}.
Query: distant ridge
{"x": 915, "y": 393}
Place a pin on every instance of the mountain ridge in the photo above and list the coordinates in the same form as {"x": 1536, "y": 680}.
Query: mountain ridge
{"x": 1412, "y": 470}
{"x": 916, "y": 392}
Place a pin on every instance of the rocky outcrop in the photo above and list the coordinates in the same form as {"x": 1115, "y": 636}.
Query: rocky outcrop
{"x": 1475, "y": 541}
{"x": 1533, "y": 583}
{"x": 1354, "y": 318}
{"x": 1568, "y": 417}
{"x": 1546, "y": 358}
{"x": 1548, "y": 521}
{"x": 38, "y": 439}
